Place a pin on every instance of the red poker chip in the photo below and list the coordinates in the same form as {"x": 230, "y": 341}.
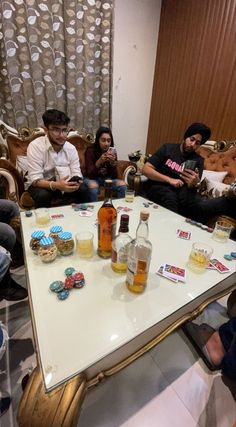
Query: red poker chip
{"x": 69, "y": 282}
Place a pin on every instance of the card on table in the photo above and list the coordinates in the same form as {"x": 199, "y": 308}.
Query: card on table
{"x": 219, "y": 266}
{"x": 186, "y": 235}
{"x": 123, "y": 209}
{"x": 175, "y": 272}
{"x": 160, "y": 272}
{"x": 85, "y": 213}
{"x": 56, "y": 216}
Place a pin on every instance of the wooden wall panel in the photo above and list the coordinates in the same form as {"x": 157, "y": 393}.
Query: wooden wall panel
{"x": 195, "y": 72}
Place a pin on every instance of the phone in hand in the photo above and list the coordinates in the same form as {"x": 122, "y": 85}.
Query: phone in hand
{"x": 112, "y": 150}
{"x": 75, "y": 178}
{"x": 190, "y": 164}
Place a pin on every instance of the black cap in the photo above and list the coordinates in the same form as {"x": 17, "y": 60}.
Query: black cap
{"x": 200, "y": 128}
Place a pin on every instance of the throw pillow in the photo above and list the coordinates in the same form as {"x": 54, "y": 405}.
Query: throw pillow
{"x": 213, "y": 175}
{"x": 216, "y": 188}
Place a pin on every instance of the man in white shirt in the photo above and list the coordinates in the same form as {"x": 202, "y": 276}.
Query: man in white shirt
{"x": 52, "y": 162}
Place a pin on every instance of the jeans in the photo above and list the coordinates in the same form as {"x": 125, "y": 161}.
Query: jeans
{"x": 227, "y": 333}
{"x": 5, "y": 259}
{"x": 120, "y": 189}
{"x": 8, "y": 210}
{"x": 43, "y": 198}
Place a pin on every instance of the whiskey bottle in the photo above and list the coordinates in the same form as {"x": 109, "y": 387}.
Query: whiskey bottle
{"x": 120, "y": 246}
{"x": 139, "y": 257}
{"x": 106, "y": 223}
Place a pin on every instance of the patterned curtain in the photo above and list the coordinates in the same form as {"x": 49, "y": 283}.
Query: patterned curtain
{"x": 56, "y": 54}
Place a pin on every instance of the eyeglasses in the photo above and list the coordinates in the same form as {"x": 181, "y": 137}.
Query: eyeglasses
{"x": 58, "y": 131}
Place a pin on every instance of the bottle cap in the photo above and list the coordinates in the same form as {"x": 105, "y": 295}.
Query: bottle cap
{"x": 65, "y": 235}
{"x": 38, "y": 234}
{"x": 144, "y": 214}
{"x": 56, "y": 229}
{"x": 108, "y": 183}
{"x": 124, "y": 218}
{"x": 46, "y": 241}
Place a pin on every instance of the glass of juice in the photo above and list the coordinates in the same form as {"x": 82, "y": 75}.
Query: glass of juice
{"x": 129, "y": 195}
{"x": 42, "y": 216}
{"x": 199, "y": 257}
{"x": 84, "y": 244}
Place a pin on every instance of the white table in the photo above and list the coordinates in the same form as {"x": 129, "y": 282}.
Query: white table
{"x": 103, "y": 327}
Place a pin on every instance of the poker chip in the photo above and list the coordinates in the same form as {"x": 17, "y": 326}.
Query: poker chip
{"x": 204, "y": 227}
{"x": 210, "y": 230}
{"x": 57, "y": 286}
{"x": 233, "y": 254}
{"x": 79, "y": 280}
{"x": 69, "y": 271}
{"x": 228, "y": 257}
{"x": 63, "y": 295}
{"x": 69, "y": 282}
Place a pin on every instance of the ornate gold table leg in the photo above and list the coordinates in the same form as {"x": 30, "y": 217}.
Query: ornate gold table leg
{"x": 58, "y": 408}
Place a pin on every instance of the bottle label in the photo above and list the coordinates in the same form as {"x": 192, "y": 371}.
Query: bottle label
{"x": 122, "y": 255}
{"x": 114, "y": 256}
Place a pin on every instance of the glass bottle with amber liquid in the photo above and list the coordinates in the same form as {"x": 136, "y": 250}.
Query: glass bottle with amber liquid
{"x": 139, "y": 257}
{"x": 106, "y": 223}
{"x": 120, "y": 246}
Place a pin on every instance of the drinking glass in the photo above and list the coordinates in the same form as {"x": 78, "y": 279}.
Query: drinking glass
{"x": 42, "y": 216}
{"x": 84, "y": 244}
{"x": 222, "y": 231}
{"x": 129, "y": 195}
{"x": 199, "y": 257}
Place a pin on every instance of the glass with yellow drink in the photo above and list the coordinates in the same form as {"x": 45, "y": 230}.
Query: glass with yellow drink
{"x": 42, "y": 216}
{"x": 84, "y": 244}
{"x": 199, "y": 257}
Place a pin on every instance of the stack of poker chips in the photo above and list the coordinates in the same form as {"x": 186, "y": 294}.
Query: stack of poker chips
{"x": 199, "y": 224}
{"x": 74, "y": 279}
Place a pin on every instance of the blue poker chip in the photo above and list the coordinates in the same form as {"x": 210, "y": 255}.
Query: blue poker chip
{"x": 63, "y": 295}
{"x": 69, "y": 271}
{"x": 228, "y": 257}
{"x": 233, "y": 254}
{"x": 57, "y": 286}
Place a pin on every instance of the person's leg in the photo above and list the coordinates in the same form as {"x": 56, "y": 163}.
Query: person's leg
{"x": 8, "y": 210}
{"x": 7, "y": 237}
{"x": 42, "y": 197}
{"x": 82, "y": 195}
{"x": 5, "y": 399}
{"x": 165, "y": 196}
{"x": 9, "y": 289}
{"x": 119, "y": 186}
{"x": 208, "y": 209}
{"x": 227, "y": 334}
{"x": 93, "y": 187}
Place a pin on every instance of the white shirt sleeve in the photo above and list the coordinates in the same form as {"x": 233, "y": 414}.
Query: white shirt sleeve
{"x": 35, "y": 160}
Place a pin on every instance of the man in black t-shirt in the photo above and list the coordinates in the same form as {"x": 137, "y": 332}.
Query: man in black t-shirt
{"x": 174, "y": 173}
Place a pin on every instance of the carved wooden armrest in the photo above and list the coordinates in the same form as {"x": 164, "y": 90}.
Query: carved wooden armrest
{"x": 15, "y": 184}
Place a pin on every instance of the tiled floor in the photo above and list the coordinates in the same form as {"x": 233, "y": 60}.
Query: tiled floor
{"x": 169, "y": 386}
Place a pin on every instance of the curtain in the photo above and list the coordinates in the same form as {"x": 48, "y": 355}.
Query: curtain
{"x": 56, "y": 54}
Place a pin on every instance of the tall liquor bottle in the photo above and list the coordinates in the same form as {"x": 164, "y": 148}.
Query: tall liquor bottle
{"x": 120, "y": 246}
{"x": 139, "y": 256}
{"x": 106, "y": 223}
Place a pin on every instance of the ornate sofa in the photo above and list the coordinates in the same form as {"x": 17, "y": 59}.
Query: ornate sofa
{"x": 13, "y": 160}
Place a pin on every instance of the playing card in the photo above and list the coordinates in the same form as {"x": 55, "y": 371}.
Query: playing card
{"x": 161, "y": 273}
{"x": 85, "y": 213}
{"x": 56, "y": 216}
{"x": 186, "y": 235}
{"x": 219, "y": 266}
{"x": 178, "y": 273}
{"x": 122, "y": 209}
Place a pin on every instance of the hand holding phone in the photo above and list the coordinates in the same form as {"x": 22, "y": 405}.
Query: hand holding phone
{"x": 190, "y": 164}
{"x": 76, "y": 178}
{"x": 112, "y": 150}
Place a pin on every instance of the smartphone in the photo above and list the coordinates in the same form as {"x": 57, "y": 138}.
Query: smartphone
{"x": 112, "y": 150}
{"x": 190, "y": 164}
{"x": 75, "y": 179}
